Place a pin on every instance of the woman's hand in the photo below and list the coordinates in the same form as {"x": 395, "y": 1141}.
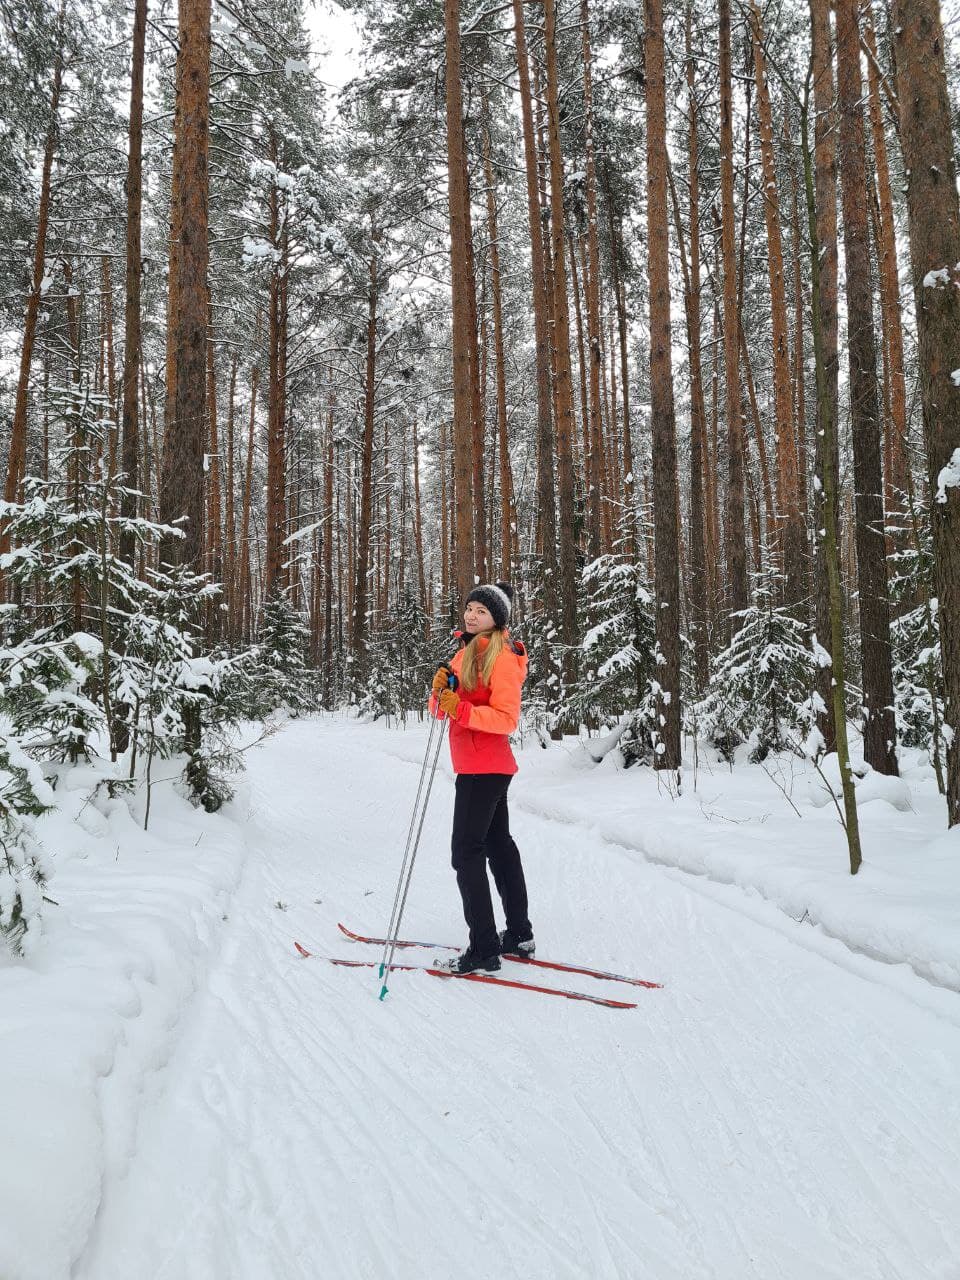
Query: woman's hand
{"x": 440, "y": 681}
{"x": 449, "y": 702}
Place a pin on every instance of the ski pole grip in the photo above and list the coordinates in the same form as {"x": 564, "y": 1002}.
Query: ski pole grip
{"x": 452, "y": 682}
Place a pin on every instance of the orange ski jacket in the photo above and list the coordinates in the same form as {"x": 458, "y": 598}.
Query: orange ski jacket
{"x": 488, "y": 714}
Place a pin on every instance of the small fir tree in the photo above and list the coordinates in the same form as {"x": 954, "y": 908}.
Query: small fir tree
{"x": 759, "y": 688}
{"x": 402, "y": 663}
{"x": 618, "y": 654}
{"x": 280, "y": 676}
{"x": 25, "y": 868}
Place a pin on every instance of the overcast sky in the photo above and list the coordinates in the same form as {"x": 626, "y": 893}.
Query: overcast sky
{"x": 336, "y": 41}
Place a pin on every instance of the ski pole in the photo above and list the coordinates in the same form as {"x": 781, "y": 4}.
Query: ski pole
{"x": 392, "y": 927}
{"x": 413, "y": 842}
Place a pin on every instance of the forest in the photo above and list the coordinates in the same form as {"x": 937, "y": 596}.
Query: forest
{"x": 648, "y": 310}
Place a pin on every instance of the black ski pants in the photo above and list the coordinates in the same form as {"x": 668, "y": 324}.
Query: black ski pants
{"x": 481, "y": 834}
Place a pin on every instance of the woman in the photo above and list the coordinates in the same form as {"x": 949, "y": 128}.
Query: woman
{"x": 484, "y": 709}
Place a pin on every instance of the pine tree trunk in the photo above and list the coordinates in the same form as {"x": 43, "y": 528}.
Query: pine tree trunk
{"x": 506, "y": 483}
{"x": 460, "y": 256}
{"x": 620, "y": 299}
{"x": 880, "y": 734}
{"x": 244, "y": 619}
{"x": 735, "y": 532}
{"x": 214, "y": 513}
{"x": 714, "y": 553}
{"x": 173, "y": 250}
{"x": 934, "y": 226}
{"x": 895, "y": 430}
{"x": 829, "y": 542}
{"x": 662, "y": 424}
{"x": 592, "y": 283}
{"x": 699, "y": 612}
{"x": 546, "y": 497}
{"x": 229, "y": 514}
{"x": 361, "y": 573}
{"x": 328, "y": 584}
{"x": 477, "y": 398}
{"x": 418, "y": 525}
{"x": 578, "y": 274}
{"x": 110, "y": 375}
{"x": 181, "y": 481}
{"x": 16, "y": 459}
{"x": 769, "y": 507}
{"x": 789, "y": 546}
{"x": 149, "y": 450}
{"x": 799, "y": 363}
{"x": 384, "y": 543}
{"x": 563, "y": 386}
{"x": 690, "y": 268}
{"x": 276, "y": 512}
{"x": 825, "y": 183}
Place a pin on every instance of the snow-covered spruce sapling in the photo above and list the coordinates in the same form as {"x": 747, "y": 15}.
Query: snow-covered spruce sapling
{"x": 182, "y": 700}
{"x": 77, "y": 591}
{"x": 25, "y": 868}
{"x": 759, "y": 688}
{"x": 46, "y": 688}
{"x": 401, "y": 662}
{"x": 617, "y": 658}
{"x": 279, "y": 677}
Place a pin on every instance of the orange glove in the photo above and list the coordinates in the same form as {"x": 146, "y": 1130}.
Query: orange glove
{"x": 440, "y": 681}
{"x": 449, "y": 703}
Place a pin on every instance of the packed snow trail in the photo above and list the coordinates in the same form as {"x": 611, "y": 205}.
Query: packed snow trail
{"x": 767, "y": 1114}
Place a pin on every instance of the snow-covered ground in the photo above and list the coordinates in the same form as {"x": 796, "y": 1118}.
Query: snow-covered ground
{"x": 184, "y": 1098}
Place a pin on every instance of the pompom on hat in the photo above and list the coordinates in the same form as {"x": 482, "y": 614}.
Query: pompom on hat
{"x": 497, "y": 598}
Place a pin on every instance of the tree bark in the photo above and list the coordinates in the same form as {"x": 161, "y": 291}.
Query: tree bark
{"x": 506, "y": 483}
{"x": 690, "y": 267}
{"x": 229, "y": 514}
{"x": 825, "y": 184}
{"x": 460, "y": 254}
{"x": 328, "y": 585}
{"x": 662, "y": 425}
{"x": 735, "y": 532}
{"x": 181, "y": 481}
{"x": 895, "y": 429}
{"x": 546, "y": 496}
{"x": 362, "y": 565}
{"x": 16, "y": 459}
{"x": 418, "y": 525}
{"x": 244, "y": 592}
{"x": 592, "y": 286}
{"x": 934, "y": 225}
{"x": 788, "y": 550}
{"x": 830, "y": 539}
{"x": 214, "y": 514}
{"x": 699, "y": 612}
{"x": 477, "y": 399}
{"x": 880, "y": 733}
{"x": 563, "y": 386}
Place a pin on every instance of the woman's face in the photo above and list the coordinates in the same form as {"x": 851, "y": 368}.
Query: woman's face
{"x": 477, "y": 619}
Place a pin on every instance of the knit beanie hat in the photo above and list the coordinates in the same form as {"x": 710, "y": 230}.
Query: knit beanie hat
{"x": 497, "y": 597}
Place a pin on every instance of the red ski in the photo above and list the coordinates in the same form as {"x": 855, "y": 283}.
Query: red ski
{"x": 403, "y": 944}
{"x": 469, "y": 977}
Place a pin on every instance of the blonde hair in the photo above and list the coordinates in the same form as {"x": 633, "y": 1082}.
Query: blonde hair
{"x": 469, "y": 667}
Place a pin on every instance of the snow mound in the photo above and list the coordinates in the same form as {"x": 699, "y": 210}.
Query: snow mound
{"x": 94, "y": 1011}
{"x": 825, "y": 787}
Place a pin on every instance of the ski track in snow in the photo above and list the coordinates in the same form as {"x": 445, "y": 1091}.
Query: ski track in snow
{"x": 769, "y": 1114}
